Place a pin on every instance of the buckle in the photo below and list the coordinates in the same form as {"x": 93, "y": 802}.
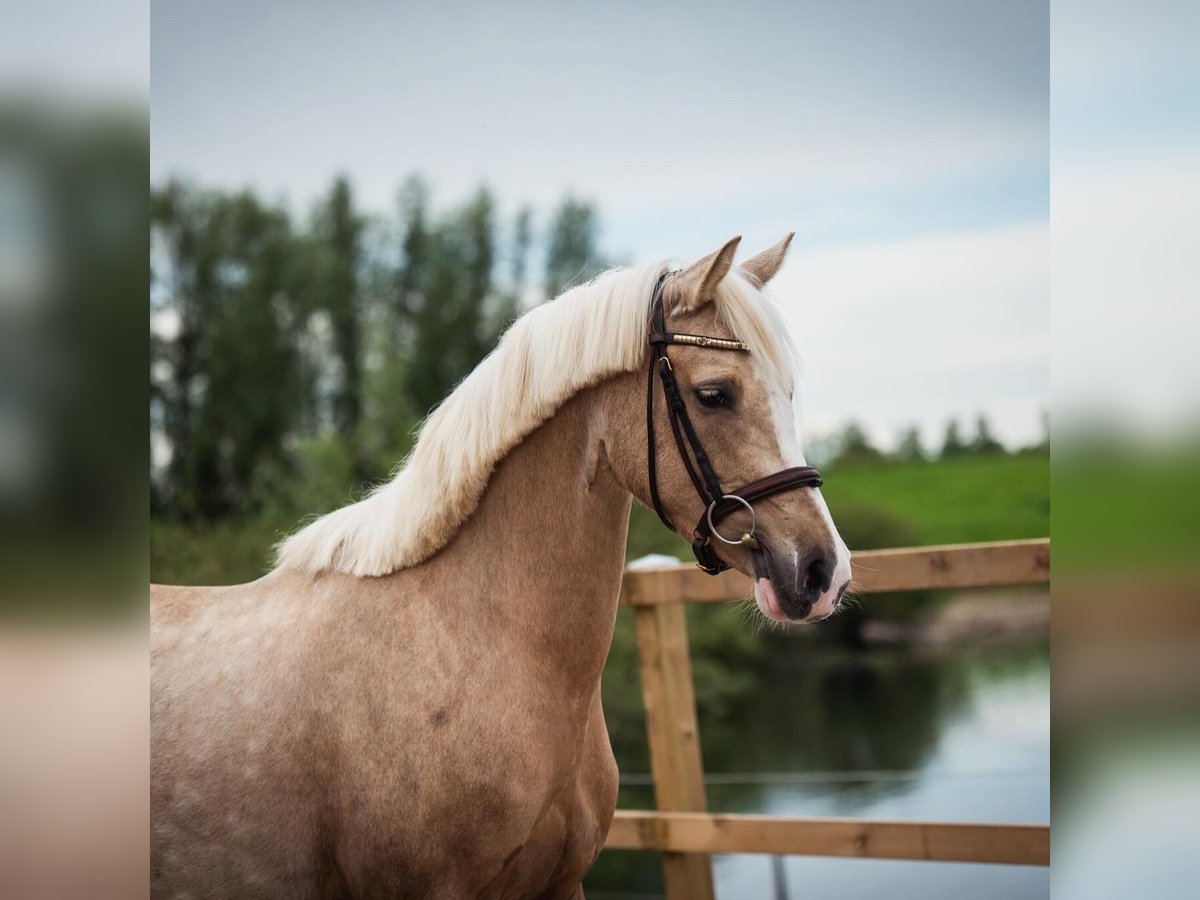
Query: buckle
{"x": 706, "y": 560}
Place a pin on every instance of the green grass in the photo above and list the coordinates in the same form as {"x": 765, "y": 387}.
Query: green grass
{"x": 1134, "y": 508}
{"x": 975, "y": 498}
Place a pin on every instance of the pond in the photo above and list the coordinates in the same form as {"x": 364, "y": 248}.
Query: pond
{"x": 952, "y": 734}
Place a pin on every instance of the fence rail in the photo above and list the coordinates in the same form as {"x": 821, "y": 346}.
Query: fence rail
{"x": 875, "y": 571}
{"x": 863, "y": 838}
{"x": 682, "y": 830}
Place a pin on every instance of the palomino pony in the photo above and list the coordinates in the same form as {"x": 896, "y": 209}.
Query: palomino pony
{"x": 408, "y": 705}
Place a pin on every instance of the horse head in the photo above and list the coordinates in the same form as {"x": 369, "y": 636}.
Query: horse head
{"x": 732, "y": 420}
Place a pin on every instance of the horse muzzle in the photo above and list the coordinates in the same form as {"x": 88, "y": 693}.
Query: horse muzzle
{"x": 801, "y": 585}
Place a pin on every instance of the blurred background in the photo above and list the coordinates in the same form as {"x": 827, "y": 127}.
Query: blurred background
{"x": 1126, "y": 400}
{"x": 348, "y": 204}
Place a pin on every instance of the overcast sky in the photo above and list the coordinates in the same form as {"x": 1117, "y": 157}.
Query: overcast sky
{"x": 905, "y": 143}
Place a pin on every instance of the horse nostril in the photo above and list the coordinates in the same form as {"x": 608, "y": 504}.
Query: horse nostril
{"x": 817, "y": 569}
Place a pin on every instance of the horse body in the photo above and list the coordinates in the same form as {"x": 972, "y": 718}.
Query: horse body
{"x": 434, "y": 732}
{"x": 409, "y": 704}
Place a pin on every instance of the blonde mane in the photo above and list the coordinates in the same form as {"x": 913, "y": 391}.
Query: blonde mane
{"x": 590, "y": 333}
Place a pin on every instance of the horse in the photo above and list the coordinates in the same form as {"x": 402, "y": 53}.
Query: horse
{"x": 408, "y": 703}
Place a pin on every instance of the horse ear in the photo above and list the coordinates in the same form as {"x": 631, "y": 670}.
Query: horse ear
{"x": 697, "y": 284}
{"x": 764, "y": 266}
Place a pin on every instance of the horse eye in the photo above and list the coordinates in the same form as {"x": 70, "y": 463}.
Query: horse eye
{"x": 712, "y": 397}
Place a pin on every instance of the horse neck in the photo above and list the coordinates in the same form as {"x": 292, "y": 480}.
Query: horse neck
{"x": 540, "y": 559}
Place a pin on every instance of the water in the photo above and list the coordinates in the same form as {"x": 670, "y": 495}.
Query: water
{"x": 957, "y": 734}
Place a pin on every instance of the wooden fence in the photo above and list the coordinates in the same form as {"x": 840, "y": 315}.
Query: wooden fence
{"x": 682, "y": 829}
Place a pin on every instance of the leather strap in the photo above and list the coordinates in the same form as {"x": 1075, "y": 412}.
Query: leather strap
{"x": 691, "y": 451}
{"x": 657, "y": 349}
{"x": 777, "y": 483}
{"x": 695, "y": 461}
{"x": 783, "y": 480}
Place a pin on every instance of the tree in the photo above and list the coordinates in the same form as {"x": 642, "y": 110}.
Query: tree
{"x": 509, "y": 297}
{"x": 522, "y": 237}
{"x": 984, "y": 442}
{"x": 855, "y": 447}
{"x": 338, "y": 230}
{"x": 451, "y": 330}
{"x": 572, "y": 255}
{"x": 953, "y": 444}
{"x": 173, "y": 360}
{"x": 910, "y": 448}
{"x": 226, "y": 372}
{"x": 414, "y": 248}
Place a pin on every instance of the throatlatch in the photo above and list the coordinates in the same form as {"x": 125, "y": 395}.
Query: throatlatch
{"x": 718, "y": 503}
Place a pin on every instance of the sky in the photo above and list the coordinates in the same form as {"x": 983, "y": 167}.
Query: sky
{"x": 906, "y": 144}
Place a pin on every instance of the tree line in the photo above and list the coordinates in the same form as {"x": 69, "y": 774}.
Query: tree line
{"x": 853, "y": 446}
{"x": 280, "y": 343}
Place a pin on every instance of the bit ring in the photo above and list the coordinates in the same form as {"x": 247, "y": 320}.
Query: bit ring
{"x": 746, "y": 539}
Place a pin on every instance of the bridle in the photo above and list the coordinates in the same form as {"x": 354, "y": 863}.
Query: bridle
{"x": 718, "y": 503}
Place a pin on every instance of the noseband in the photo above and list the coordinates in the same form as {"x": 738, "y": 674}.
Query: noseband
{"x": 718, "y": 503}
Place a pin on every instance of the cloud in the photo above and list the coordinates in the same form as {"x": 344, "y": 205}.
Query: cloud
{"x": 922, "y": 329}
{"x": 667, "y": 106}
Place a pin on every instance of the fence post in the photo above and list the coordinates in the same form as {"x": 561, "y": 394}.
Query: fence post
{"x": 674, "y": 735}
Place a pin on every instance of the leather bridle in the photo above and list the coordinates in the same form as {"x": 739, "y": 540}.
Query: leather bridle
{"x": 718, "y": 503}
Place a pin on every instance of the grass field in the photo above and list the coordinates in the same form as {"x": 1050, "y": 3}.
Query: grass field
{"x": 975, "y": 498}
